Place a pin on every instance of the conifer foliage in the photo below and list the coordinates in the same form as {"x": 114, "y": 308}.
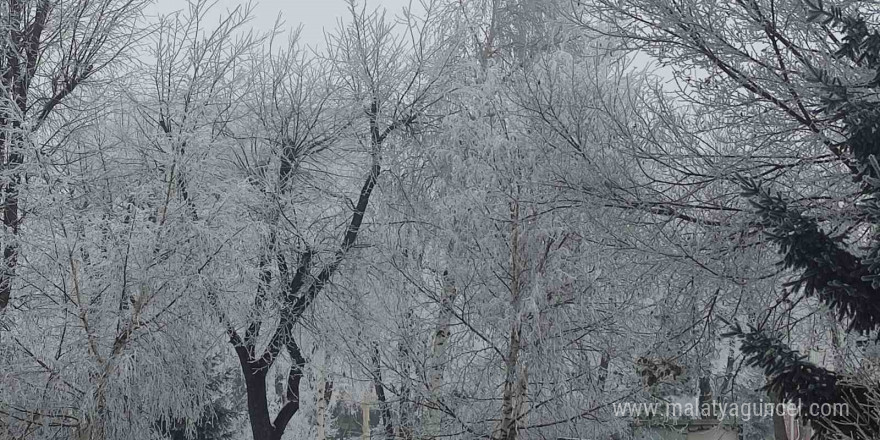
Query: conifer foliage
{"x": 841, "y": 268}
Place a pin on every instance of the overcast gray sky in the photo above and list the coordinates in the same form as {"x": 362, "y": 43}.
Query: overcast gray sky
{"x": 314, "y": 15}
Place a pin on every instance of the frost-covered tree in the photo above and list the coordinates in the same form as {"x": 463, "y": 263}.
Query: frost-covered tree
{"x": 99, "y": 310}
{"x": 48, "y": 51}
{"x": 774, "y": 99}
{"x": 318, "y": 132}
{"x": 836, "y": 266}
{"x": 506, "y": 313}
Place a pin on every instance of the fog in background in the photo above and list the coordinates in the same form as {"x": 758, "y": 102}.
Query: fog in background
{"x": 315, "y": 16}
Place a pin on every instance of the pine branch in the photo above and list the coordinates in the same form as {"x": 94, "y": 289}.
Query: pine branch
{"x": 798, "y": 381}
{"x": 835, "y": 276}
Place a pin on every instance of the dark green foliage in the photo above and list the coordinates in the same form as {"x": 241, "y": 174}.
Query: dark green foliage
{"x": 219, "y": 418}
{"x": 860, "y": 43}
{"x": 828, "y": 271}
{"x": 791, "y": 376}
{"x": 348, "y": 420}
{"x": 843, "y": 277}
{"x": 216, "y": 424}
{"x": 796, "y": 380}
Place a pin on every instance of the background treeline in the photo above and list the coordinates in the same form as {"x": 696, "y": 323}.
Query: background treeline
{"x": 467, "y": 219}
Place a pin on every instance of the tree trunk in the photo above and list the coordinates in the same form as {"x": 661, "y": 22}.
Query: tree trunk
{"x": 384, "y": 408}
{"x": 262, "y": 426}
{"x": 365, "y": 417}
{"x": 706, "y": 397}
{"x": 437, "y": 363}
{"x": 405, "y": 406}
{"x": 258, "y": 409}
{"x": 520, "y": 398}
{"x": 603, "y": 370}
{"x": 19, "y": 60}
{"x": 301, "y": 289}
{"x": 507, "y": 427}
{"x": 441, "y": 334}
{"x": 325, "y": 392}
{"x": 727, "y": 385}
{"x": 779, "y": 431}
{"x": 12, "y": 141}
{"x": 837, "y": 342}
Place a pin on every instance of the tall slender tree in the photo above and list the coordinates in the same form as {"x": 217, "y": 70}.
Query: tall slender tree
{"x": 47, "y": 52}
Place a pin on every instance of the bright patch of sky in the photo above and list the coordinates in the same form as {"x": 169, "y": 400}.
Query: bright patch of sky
{"x": 315, "y": 16}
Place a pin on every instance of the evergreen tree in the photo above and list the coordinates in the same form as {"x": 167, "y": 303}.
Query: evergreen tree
{"x": 840, "y": 269}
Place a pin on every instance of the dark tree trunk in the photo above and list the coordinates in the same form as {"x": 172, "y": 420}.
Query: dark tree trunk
{"x": 603, "y": 370}
{"x": 18, "y": 65}
{"x": 384, "y": 407}
{"x": 706, "y": 397}
{"x": 262, "y": 426}
{"x": 404, "y": 429}
{"x": 298, "y": 293}
{"x": 257, "y": 402}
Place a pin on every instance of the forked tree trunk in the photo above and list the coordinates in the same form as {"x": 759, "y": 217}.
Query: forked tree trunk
{"x": 301, "y": 288}
{"x": 299, "y": 293}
